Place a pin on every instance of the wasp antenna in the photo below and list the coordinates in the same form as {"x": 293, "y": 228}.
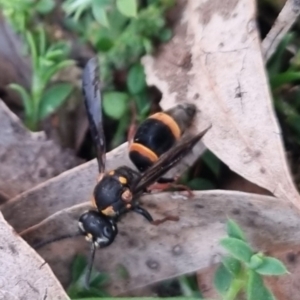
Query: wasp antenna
{"x": 90, "y": 266}
{"x": 44, "y": 243}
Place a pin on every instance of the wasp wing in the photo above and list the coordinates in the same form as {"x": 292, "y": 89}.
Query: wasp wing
{"x": 92, "y": 99}
{"x": 167, "y": 161}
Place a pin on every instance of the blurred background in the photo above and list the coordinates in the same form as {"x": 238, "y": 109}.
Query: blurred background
{"x": 44, "y": 44}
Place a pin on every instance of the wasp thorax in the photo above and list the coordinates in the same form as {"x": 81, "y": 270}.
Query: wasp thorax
{"x": 97, "y": 228}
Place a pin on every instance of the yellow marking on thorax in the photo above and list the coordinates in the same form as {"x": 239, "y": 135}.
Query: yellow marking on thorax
{"x": 109, "y": 211}
{"x": 123, "y": 180}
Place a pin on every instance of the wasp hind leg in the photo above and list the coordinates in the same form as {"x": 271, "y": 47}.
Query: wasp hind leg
{"x": 166, "y": 183}
{"x": 146, "y": 215}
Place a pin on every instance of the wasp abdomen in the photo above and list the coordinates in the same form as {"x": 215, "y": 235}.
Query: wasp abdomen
{"x": 158, "y": 134}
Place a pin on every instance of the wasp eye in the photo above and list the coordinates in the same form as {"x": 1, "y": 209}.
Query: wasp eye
{"x": 107, "y": 231}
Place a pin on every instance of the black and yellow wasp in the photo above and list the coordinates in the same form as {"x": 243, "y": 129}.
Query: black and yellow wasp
{"x": 157, "y": 146}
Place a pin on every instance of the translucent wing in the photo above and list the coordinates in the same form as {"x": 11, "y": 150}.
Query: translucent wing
{"x": 92, "y": 99}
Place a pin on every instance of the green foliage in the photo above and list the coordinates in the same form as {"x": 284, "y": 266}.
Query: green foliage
{"x": 127, "y": 7}
{"x": 53, "y": 98}
{"x": 21, "y": 12}
{"x": 115, "y": 104}
{"x": 201, "y": 184}
{"x": 284, "y": 76}
{"x": 256, "y": 288}
{"x": 241, "y": 271}
{"x": 189, "y": 287}
{"x": 212, "y": 162}
{"x": 237, "y": 248}
{"x": 136, "y": 81}
{"x": 222, "y": 280}
{"x": 235, "y": 231}
{"x": 77, "y": 287}
{"x": 46, "y": 61}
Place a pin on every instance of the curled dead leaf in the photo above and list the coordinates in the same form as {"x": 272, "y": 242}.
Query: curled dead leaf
{"x": 23, "y": 274}
{"x": 152, "y": 253}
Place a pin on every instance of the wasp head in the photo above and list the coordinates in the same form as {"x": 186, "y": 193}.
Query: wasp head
{"x": 98, "y": 228}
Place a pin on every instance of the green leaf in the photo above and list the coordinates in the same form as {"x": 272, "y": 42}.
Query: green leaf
{"x": 271, "y": 266}
{"x": 237, "y": 248}
{"x": 136, "y": 81}
{"x": 33, "y": 50}
{"x": 25, "y": 97}
{"x": 256, "y": 288}
{"x": 284, "y": 78}
{"x": 45, "y": 6}
{"x": 232, "y": 265}
{"x": 256, "y": 260}
{"x": 117, "y": 22}
{"x": 212, "y": 162}
{"x": 99, "y": 279}
{"x": 100, "y": 14}
{"x": 234, "y": 230}
{"x": 275, "y": 62}
{"x": 165, "y": 35}
{"x": 78, "y": 267}
{"x": 54, "y": 69}
{"x": 42, "y": 40}
{"x": 115, "y": 104}
{"x": 127, "y": 7}
{"x": 201, "y": 184}
{"x": 53, "y": 99}
{"x": 143, "y": 104}
{"x": 222, "y": 279}
{"x": 51, "y": 55}
{"x": 147, "y": 43}
{"x": 104, "y": 44}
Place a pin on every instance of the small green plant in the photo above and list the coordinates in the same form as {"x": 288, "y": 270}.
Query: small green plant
{"x": 243, "y": 269}
{"x": 43, "y": 99}
{"x": 20, "y": 13}
{"x": 77, "y": 287}
{"x": 100, "y": 9}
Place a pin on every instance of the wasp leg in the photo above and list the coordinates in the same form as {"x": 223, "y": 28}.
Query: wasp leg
{"x": 166, "y": 183}
{"x": 165, "y": 219}
{"x": 143, "y": 212}
{"x": 133, "y": 124}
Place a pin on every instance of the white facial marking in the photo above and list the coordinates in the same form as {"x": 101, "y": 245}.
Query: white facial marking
{"x": 101, "y": 240}
{"x": 81, "y": 226}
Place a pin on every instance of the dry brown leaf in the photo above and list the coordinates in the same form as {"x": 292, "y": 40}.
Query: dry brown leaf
{"x": 27, "y": 158}
{"x": 152, "y": 253}
{"x": 286, "y": 18}
{"x": 23, "y": 274}
{"x": 215, "y": 60}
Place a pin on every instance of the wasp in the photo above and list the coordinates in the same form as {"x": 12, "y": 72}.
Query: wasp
{"x": 157, "y": 147}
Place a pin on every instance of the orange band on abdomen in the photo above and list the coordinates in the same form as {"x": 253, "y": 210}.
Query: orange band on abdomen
{"x": 168, "y": 121}
{"x": 144, "y": 151}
